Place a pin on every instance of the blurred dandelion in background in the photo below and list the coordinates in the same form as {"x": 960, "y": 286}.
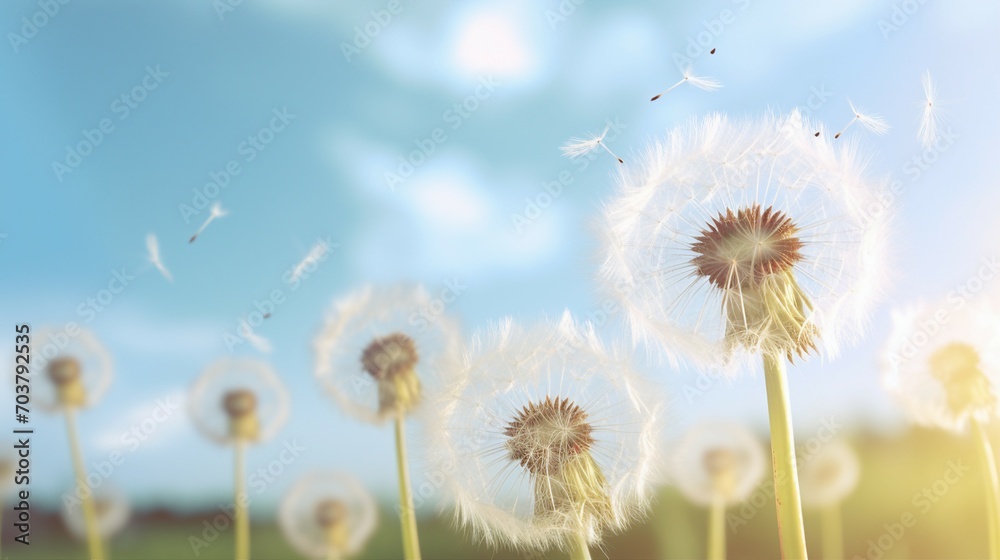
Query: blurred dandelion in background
{"x": 747, "y": 239}
{"x": 378, "y": 351}
{"x": 717, "y": 465}
{"x": 550, "y": 439}
{"x": 239, "y": 403}
{"x": 942, "y": 364}
{"x": 827, "y": 478}
{"x": 111, "y": 508}
{"x": 77, "y": 372}
{"x": 328, "y": 516}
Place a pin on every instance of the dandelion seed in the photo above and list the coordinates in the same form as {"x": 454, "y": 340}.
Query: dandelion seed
{"x": 239, "y": 403}
{"x": 215, "y": 212}
{"x": 314, "y": 256}
{"x": 578, "y": 147}
{"x": 153, "y": 247}
{"x": 746, "y": 241}
{"x": 328, "y": 515}
{"x": 874, "y": 123}
{"x": 705, "y": 83}
{"x": 111, "y": 509}
{"x": 931, "y": 116}
{"x": 550, "y": 437}
{"x": 712, "y": 51}
{"x": 262, "y": 344}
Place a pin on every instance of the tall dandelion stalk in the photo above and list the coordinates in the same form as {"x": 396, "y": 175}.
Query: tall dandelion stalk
{"x": 550, "y": 438}
{"x": 718, "y": 464}
{"x": 741, "y": 243}
{"x": 328, "y": 516}
{"x": 377, "y": 354}
{"x": 828, "y": 476}
{"x": 239, "y": 403}
{"x": 948, "y": 379}
{"x": 78, "y": 371}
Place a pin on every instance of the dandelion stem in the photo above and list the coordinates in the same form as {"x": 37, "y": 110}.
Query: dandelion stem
{"x": 717, "y": 530}
{"x": 791, "y": 531}
{"x": 94, "y": 545}
{"x": 411, "y": 544}
{"x": 578, "y": 548}
{"x": 242, "y": 520}
{"x": 989, "y": 467}
{"x": 833, "y": 533}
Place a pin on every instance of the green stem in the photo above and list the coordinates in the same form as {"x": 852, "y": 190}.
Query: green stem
{"x": 578, "y": 548}
{"x": 94, "y": 545}
{"x": 833, "y": 533}
{"x": 717, "y": 530}
{"x": 242, "y": 521}
{"x": 989, "y": 466}
{"x": 791, "y": 532}
{"x": 408, "y": 518}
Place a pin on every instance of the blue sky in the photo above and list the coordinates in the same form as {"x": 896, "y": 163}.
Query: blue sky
{"x": 495, "y": 89}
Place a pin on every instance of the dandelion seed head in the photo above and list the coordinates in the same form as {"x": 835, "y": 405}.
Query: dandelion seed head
{"x": 381, "y": 348}
{"x": 546, "y": 433}
{"x": 740, "y": 237}
{"x": 238, "y": 400}
{"x": 942, "y": 364}
{"x": 718, "y": 461}
{"x": 111, "y": 508}
{"x": 328, "y": 514}
{"x": 829, "y": 475}
{"x": 78, "y": 369}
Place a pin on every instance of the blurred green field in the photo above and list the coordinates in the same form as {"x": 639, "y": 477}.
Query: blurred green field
{"x": 915, "y": 473}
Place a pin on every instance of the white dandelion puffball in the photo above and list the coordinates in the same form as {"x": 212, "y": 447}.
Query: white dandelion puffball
{"x": 942, "y": 362}
{"x": 718, "y": 462}
{"x": 328, "y": 515}
{"x": 544, "y": 435}
{"x": 736, "y": 238}
{"x": 829, "y": 475}
{"x": 238, "y": 400}
{"x": 380, "y": 348}
{"x": 111, "y": 508}
{"x": 71, "y": 367}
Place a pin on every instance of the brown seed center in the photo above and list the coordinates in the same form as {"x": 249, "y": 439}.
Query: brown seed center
{"x": 543, "y": 436}
{"x": 740, "y": 249}
{"x": 239, "y": 403}
{"x": 63, "y": 371}
{"x": 387, "y": 356}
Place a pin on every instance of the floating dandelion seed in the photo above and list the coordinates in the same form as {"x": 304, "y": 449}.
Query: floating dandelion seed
{"x": 947, "y": 377}
{"x": 328, "y": 515}
{"x": 931, "y": 116}
{"x": 550, "y": 438}
{"x": 827, "y": 477}
{"x": 314, "y": 256}
{"x": 712, "y": 51}
{"x": 705, "y": 83}
{"x": 239, "y": 403}
{"x": 215, "y": 212}
{"x": 78, "y": 370}
{"x": 377, "y": 353}
{"x": 717, "y": 465}
{"x": 112, "y": 512}
{"x": 262, "y": 344}
{"x": 874, "y": 123}
{"x": 153, "y": 247}
{"x": 739, "y": 241}
{"x": 578, "y": 147}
